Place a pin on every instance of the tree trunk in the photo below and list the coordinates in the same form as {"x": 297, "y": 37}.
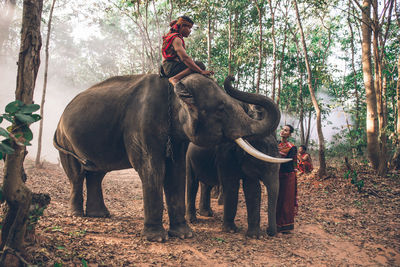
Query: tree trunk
{"x": 322, "y": 162}
{"x": 209, "y": 40}
{"x": 356, "y": 94}
{"x": 372, "y": 118}
{"x": 260, "y": 50}
{"x": 273, "y": 48}
{"x": 230, "y": 40}
{"x": 17, "y": 195}
{"x": 46, "y": 68}
{"x": 281, "y": 66}
{"x": 395, "y": 162}
{"x": 300, "y": 93}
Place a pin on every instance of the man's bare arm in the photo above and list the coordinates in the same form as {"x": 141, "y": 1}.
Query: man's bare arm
{"x": 178, "y": 46}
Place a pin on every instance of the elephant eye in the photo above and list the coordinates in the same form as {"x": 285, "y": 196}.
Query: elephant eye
{"x": 220, "y": 108}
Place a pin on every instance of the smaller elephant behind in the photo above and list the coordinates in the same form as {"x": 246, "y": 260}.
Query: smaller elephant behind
{"x": 226, "y": 164}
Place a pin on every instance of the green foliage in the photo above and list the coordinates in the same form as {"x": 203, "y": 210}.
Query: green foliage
{"x": 359, "y": 183}
{"x": 20, "y": 116}
{"x": 34, "y": 216}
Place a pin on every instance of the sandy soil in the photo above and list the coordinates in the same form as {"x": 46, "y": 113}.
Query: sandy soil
{"x": 336, "y": 226}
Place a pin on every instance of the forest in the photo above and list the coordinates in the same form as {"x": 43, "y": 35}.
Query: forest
{"x": 332, "y": 68}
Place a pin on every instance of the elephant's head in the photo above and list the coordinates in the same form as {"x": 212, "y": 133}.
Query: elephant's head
{"x": 210, "y": 116}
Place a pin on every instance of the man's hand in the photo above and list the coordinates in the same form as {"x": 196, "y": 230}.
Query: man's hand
{"x": 207, "y": 72}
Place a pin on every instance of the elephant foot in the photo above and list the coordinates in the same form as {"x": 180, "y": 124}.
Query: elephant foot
{"x": 230, "y": 228}
{"x": 155, "y": 233}
{"x": 206, "y": 212}
{"x": 76, "y": 212}
{"x": 254, "y": 233}
{"x": 272, "y": 231}
{"x": 192, "y": 218}
{"x": 98, "y": 213}
{"x": 181, "y": 230}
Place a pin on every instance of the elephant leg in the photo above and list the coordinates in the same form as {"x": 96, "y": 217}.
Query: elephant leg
{"x": 252, "y": 193}
{"x": 75, "y": 174}
{"x": 231, "y": 189}
{"x": 95, "y": 206}
{"x": 205, "y": 198}
{"x": 152, "y": 182}
{"x": 272, "y": 184}
{"x": 192, "y": 188}
{"x": 174, "y": 189}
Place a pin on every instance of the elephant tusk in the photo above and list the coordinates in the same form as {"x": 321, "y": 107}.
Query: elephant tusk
{"x": 257, "y": 154}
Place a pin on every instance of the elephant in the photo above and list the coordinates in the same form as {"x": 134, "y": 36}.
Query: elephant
{"x": 226, "y": 164}
{"x": 141, "y": 121}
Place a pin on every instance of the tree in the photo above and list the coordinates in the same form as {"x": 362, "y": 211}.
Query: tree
{"x": 375, "y": 85}
{"x": 37, "y": 161}
{"x": 322, "y": 162}
{"x": 16, "y": 194}
{"x": 260, "y": 11}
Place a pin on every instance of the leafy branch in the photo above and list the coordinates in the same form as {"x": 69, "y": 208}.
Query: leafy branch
{"x": 20, "y": 115}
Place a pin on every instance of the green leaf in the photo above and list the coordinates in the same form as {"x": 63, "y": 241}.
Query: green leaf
{"x": 1, "y": 119}
{"x": 14, "y": 106}
{"x": 4, "y": 133}
{"x": 1, "y": 155}
{"x": 28, "y": 135}
{"x": 24, "y": 118}
{"x": 84, "y": 263}
{"x": 36, "y": 117}
{"x": 8, "y": 118}
{"x": 29, "y": 109}
{"x": 4, "y": 148}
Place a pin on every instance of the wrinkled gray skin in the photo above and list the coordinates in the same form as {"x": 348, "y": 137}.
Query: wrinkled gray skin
{"x": 123, "y": 123}
{"x": 226, "y": 164}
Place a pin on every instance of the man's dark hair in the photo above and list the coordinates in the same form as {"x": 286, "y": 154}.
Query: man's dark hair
{"x": 187, "y": 19}
{"x": 291, "y": 129}
{"x": 304, "y": 147}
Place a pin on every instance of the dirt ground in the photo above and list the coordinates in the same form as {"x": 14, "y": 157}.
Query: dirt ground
{"x": 336, "y": 226}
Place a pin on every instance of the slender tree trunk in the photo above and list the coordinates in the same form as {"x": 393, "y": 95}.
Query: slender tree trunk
{"x": 209, "y": 39}
{"x": 380, "y": 98}
{"x": 372, "y": 118}
{"x": 260, "y": 50}
{"x": 281, "y": 66}
{"x": 46, "y": 68}
{"x": 230, "y": 40}
{"x": 308, "y": 128}
{"x": 322, "y": 162}
{"x": 273, "y": 48}
{"x": 395, "y": 163}
{"x": 300, "y": 94}
{"x": 17, "y": 195}
{"x": 357, "y": 149}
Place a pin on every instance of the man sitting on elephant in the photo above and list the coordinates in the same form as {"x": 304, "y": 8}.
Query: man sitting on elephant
{"x": 176, "y": 62}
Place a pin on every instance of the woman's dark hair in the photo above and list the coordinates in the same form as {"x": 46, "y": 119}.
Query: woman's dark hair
{"x": 304, "y": 147}
{"x": 291, "y": 129}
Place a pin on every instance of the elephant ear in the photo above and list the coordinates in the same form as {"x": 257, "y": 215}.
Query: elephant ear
{"x": 184, "y": 94}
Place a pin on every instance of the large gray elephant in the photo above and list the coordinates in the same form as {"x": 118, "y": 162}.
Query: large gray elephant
{"x": 139, "y": 121}
{"x": 226, "y": 164}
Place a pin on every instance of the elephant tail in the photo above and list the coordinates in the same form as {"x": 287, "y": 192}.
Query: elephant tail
{"x": 87, "y": 164}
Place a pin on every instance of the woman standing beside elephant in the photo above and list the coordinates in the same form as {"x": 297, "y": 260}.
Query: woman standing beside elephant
{"x": 287, "y": 198}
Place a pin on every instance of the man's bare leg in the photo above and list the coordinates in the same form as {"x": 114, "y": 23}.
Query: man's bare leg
{"x": 174, "y": 80}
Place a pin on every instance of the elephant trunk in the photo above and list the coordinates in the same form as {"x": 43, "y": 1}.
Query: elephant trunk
{"x": 272, "y": 115}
